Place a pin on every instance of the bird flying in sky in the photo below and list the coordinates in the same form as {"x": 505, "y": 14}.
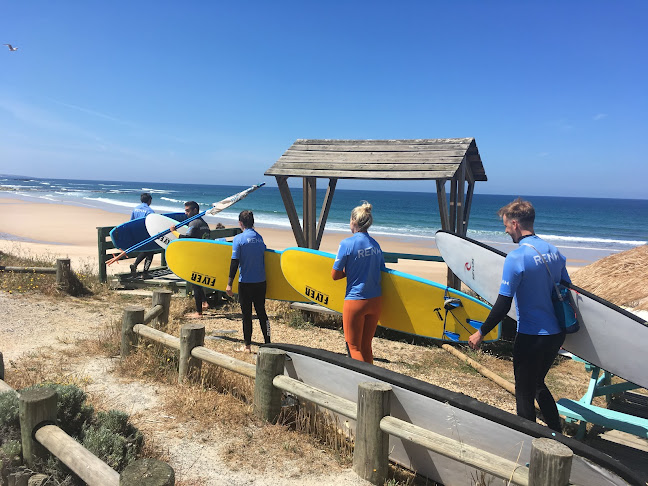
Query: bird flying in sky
{"x": 11, "y": 48}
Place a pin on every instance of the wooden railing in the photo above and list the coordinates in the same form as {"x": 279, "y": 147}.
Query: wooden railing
{"x": 105, "y": 244}
{"x": 550, "y": 460}
{"x": 40, "y": 436}
{"x": 61, "y": 270}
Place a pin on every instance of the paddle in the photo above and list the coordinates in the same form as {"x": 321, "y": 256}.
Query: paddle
{"x": 217, "y": 208}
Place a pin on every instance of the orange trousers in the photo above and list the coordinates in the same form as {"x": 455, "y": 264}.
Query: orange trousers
{"x": 359, "y": 320}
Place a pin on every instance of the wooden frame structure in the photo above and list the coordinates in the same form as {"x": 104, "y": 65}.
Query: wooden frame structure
{"x": 446, "y": 160}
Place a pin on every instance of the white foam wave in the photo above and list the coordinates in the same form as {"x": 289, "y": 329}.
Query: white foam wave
{"x": 157, "y": 191}
{"x": 584, "y": 239}
{"x": 172, "y": 200}
{"x": 111, "y": 202}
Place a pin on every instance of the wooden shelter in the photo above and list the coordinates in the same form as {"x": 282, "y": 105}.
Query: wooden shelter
{"x": 446, "y": 160}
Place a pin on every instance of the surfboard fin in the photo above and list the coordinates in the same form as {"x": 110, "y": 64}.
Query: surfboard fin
{"x": 475, "y": 324}
{"x": 451, "y": 303}
{"x": 452, "y": 336}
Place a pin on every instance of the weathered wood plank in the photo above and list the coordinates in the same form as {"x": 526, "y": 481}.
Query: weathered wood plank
{"x": 286, "y": 196}
{"x": 396, "y": 142}
{"x": 366, "y": 165}
{"x": 393, "y": 156}
{"x": 326, "y": 206}
{"x": 369, "y": 174}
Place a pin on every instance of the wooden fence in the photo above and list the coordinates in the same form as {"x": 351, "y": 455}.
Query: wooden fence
{"x": 40, "y": 436}
{"x": 550, "y": 463}
{"x": 62, "y": 271}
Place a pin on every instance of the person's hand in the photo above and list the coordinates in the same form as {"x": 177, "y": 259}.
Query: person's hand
{"x": 228, "y": 290}
{"x": 475, "y": 340}
{"x": 173, "y": 228}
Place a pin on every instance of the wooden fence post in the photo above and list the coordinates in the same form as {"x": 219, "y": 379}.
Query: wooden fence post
{"x": 371, "y": 452}
{"x": 1, "y": 366}
{"x": 550, "y": 463}
{"x": 267, "y": 397}
{"x": 36, "y": 406}
{"x": 147, "y": 472}
{"x": 191, "y": 336}
{"x": 63, "y": 274}
{"x": 133, "y": 314}
{"x": 163, "y": 298}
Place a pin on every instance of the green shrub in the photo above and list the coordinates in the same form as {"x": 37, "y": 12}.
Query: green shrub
{"x": 73, "y": 412}
{"x": 113, "y": 439}
{"x": 8, "y": 411}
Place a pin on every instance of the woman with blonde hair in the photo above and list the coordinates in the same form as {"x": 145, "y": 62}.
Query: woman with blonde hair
{"x": 360, "y": 260}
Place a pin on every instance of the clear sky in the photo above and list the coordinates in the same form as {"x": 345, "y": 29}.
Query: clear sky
{"x": 554, "y": 92}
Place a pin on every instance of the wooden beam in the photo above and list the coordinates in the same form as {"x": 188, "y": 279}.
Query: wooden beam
{"x": 384, "y": 156}
{"x": 310, "y": 208}
{"x": 443, "y": 204}
{"x": 326, "y": 207}
{"x": 289, "y": 204}
{"x": 453, "y": 204}
{"x": 365, "y": 174}
{"x": 467, "y": 205}
{"x": 461, "y": 187}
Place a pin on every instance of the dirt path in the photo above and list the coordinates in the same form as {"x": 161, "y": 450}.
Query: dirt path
{"x": 50, "y": 328}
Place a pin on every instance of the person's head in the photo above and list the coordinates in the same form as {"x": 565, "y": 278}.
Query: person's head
{"x": 145, "y": 197}
{"x": 361, "y": 217}
{"x": 518, "y": 217}
{"x": 246, "y": 218}
{"x": 191, "y": 208}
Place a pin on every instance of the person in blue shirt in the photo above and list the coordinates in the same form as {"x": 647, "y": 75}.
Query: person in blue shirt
{"x": 539, "y": 336}
{"x": 360, "y": 260}
{"x": 248, "y": 256}
{"x": 140, "y": 211}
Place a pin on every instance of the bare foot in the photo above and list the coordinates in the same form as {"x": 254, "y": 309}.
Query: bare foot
{"x": 195, "y": 315}
{"x": 244, "y": 349}
{"x": 205, "y": 305}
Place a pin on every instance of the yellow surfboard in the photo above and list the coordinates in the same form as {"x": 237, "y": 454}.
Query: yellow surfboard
{"x": 410, "y": 304}
{"x": 207, "y": 263}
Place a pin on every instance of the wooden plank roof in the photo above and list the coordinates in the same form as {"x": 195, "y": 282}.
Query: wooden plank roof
{"x": 379, "y": 159}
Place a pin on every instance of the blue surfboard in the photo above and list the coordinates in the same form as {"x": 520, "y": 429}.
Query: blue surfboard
{"x": 132, "y": 232}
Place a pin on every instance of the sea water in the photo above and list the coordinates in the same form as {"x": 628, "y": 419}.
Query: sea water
{"x": 602, "y": 225}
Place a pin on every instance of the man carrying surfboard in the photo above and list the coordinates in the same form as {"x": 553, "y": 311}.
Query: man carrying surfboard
{"x": 539, "y": 336}
{"x": 248, "y": 255}
{"x": 198, "y": 228}
{"x": 140, "y": 211}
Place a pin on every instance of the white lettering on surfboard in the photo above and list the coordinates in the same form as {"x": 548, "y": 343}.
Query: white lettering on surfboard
{"x": 365, "y": 252}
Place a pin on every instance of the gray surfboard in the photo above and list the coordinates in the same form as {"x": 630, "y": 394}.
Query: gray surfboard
{"x": 609, "y": 337}
{"x": 448, "y": 413}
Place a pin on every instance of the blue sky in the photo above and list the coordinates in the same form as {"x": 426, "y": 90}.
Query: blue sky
{"x": 554, "y": 92}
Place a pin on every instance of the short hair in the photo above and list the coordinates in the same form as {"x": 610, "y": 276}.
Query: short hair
{"x": 520, "y": 210}
{"x": 247, "y": 218}
{"x": 361, "y": 215}
{"x": 145, "y": 197}
{"x": 192, "y": 205}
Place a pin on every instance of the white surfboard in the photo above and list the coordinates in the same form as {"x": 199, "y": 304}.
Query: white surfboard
{"x": 609, "y": 336}
{"x": 157, "y": 223}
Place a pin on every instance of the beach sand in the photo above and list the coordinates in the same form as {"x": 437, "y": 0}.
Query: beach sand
{"x": 66, "y": 231}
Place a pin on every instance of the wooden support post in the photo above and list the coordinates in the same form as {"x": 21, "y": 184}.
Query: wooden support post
{"x": 163, "y": 298}
{"x": 101, "y": 249}
{"x": 191, "y": 336}
{"x": 550, "y": 463}
{"x": 133, "y": 314}
{"x": 63, "y": 274}
{"x": 267, "y": 398}
{"x": 1, "y": 366}
{"x": 371, "y": 453}
{"x": 147, "y": 472}
{"x": 36, "y": 406}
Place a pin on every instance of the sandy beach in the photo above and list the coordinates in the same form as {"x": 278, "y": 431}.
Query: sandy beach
{"x": 67, "y": 231}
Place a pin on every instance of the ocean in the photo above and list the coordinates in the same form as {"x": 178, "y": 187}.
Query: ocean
{"x": 573, "y": 224}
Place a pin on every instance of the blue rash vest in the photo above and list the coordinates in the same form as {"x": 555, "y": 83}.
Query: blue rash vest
{"x": 248, "y": 247}
{"x": 141, "y": 211}
{"x": 362, "y": 259}
{"x": 525, "y": 278}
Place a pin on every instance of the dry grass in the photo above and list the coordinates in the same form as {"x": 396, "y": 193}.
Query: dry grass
{"x": 618, "y": 278}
